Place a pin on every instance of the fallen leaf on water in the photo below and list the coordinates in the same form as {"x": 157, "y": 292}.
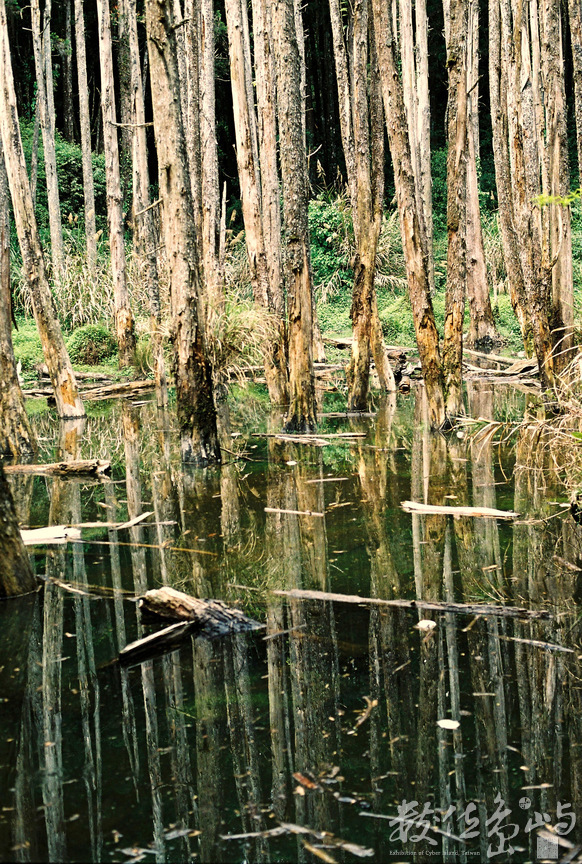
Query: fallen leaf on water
{"x": 299, "y": 790}
{"x": 305, "y": 781}
{"x": 425, "y": 624}
{"x": 448, "y": 724}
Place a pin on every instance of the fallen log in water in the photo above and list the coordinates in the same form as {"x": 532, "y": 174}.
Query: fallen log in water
{"x": 53, "y": 535}
{"x": 78, "y": 468}
{"x": 209, "y": 618}
{"x": 107, "y": 391}
{"x": 445, "y": 509}
{"x": 462, "y": 608}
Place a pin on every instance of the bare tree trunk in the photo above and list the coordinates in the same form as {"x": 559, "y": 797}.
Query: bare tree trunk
{"x": 250, "y": 177}
{"x": 85, "y": 127}
{"x": 362, "y": 127}
{"x": 301, "y": 416}
{"x": 416, "y": 264}
{"x": 34, "y": 154}
{"x": 213, "y": 276}
{"x": 42, "y": 61}
{"x": 575, "y": 21}
{"x": 424, "y": 179}
{"x": 498, "y": 91}
{"x": 123, "y": 316}
{"x": 60, "y": 370}
{"x": 456, "y": 206}
{"x": 67, "y": 59}
{"x": 270, "y": 188}
{"x": 16, "y": 435}
{"x": 482, "y": 330}
{"x": 145, "y": 235}
{"x": 193, "y": 372}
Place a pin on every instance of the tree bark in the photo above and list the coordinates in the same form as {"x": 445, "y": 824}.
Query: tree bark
{"x": 16, "y": 435}
{"x": 456, "y": 206}
{"x": 85, "y": 127}
{"x": 482, "y": 330}
{"x": 144, "y": 229}
{"x": 16, "y": 575}
{"x": 192, "y": 370}
{"x": 42, "y": 61}
{"x": 416, "y": 264}
{"x": 123, "y": 316}
{"x": 60, "y": 370}
{"x": 67, "y": 60}
{"x": 301, "y": 416}
{"x": 575, "y": 21}
{"x": 249, "y": 171}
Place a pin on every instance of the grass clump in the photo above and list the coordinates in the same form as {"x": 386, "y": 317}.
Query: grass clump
{"x": 27, "y": 347}
{"x": 91, "y": 344}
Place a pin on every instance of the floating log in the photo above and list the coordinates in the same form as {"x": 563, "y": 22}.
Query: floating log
{"x": 496, "y": 358}
{"x": 445, "y": 509}
{"x": 459, "y": 608}
{"x": 78, "y": 468}
{"x": 210, "y": 618}
{"x": 108, "y": 391}
{"x": 53, "y": 535}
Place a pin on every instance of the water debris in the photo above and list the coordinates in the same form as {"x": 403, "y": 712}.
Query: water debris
{"x": 53, "y": 535}
{"x": 446, "y": 509}
{"x": 330, "y": 840}
{"x": 448, "y": 724}
{"x": 77, "y": 468}
{"x": 425, "y": 624}
{"x": 462, "y": 608}
{"x": 293, "y": 512}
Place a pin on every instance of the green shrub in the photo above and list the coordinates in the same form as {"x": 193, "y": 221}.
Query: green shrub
{"x": 27, "y": 346}
{"x": 91, "y": 345}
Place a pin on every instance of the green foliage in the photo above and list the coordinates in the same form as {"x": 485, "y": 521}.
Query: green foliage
{"x": 27, "y": 346}
{"x": 70, "y": 175}
{"x": 439, "y": 188}
{"x": 331, "y": 235}
{"x": 506, "y": 322}
{"x": 91, "y": 344}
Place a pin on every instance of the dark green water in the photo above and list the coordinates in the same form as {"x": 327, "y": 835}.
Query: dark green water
{"x": 314, "y": 741}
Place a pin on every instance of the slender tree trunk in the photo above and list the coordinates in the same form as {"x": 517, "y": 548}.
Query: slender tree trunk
{"x": 42, "y": 61}
{"x": 424, "y": 179}
{"x": 16, "y": 435}
{"x": 456, "y": 206}
{"x": 416, "y": 263}
{"x": 67, "y": 59}
{"x": 213, "y": 276}
{"x": 575, "y": 21}
{"x": 85, "y": 127}
{"x": 60, "y": 370}
{"x": 498, "y": 89}
{"x": 145, "y": 235}
{"x": 301, "y": 416}
{"x": 270, "y": 188}
{"x": 193, "y": 372}
{"x": 482, "y": 326}
{"x": 249, "y": 172}
{"x": 34, "y": 154}
{"x": 123, "y": 316}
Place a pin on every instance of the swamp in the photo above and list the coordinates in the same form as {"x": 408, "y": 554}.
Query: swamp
{"x": 444, "y": 727}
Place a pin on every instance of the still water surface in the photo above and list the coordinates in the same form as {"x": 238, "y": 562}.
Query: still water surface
{"x": 318, "y": 737}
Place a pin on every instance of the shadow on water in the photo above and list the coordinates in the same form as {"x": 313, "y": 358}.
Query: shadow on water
{"x": 346, "y": 731}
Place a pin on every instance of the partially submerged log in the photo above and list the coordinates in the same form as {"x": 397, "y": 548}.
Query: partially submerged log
{"x": 210, "y": 618}
{"x": 78, "y": 468}
{"x": 459, "y": 608}
{"x": 108, "y": 391}
{"x": 446, "y": 509}
{"x": 53, "y": 535}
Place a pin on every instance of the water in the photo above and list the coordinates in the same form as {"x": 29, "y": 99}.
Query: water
{"x": 314, "y": 741}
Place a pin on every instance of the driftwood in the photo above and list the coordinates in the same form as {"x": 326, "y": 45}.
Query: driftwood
{"x": 459, "y": 608}
{"x": 53, "y": 535}
{"x": 79, "y": 468}
{"x": 293, "y": 512}
{"x": 107, "y": 391}
{"x": 210, "y": 618}
{"x": 496, "y": 358}
{"x": 445, "y": 509}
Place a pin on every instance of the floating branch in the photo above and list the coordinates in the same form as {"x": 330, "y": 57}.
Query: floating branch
{"x": 52, "y": 536}
{"x": 445, "y": 509}
{"x": 79, "y": 468}
{"x": 293, "y": 512}
{"x": 462, "y": 608}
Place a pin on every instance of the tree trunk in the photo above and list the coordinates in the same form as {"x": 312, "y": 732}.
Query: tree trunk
{"x": 192, "y": 370}
{"x": 301, "y": 416}
{"x": 16, "y": 435}
{"x": 85, "y": 127}
{"x": 575, "y": 21}
{"x": 67, "y": 60}
{"x": 60, "y": 370}
{"x": 123, "y": 316}
{"x": 249, "y": 172}
{"x": 482, "y": 330}
{"x": 213, "y": 275}
{"x": 42, "y": 61}
{"x": 16, "y": 576}
{"x": 416, "y": 264}
{"x": 144, "y": 229}
{"x": 456, "y": 206}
